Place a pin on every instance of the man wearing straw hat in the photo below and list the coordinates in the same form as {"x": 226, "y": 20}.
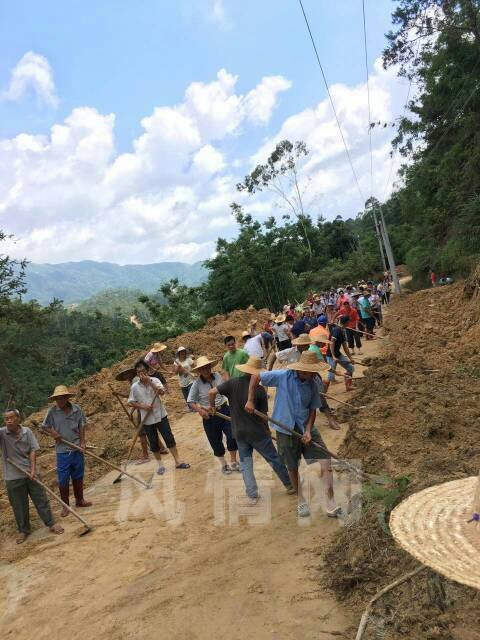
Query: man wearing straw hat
{"x": 18, "y": 444}
{"x": 250, "y": 431}
{"x": 67, "y": 420}
{"x": 214, "y": 426}
{"x": 282, "y": 333}
{"x": 296, "y": 403}
{"x": 157, "y": 366}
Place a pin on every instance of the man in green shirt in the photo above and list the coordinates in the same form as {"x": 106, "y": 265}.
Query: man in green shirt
{"x": 232, "y": 357}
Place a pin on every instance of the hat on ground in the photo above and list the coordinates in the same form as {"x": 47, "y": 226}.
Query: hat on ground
{"x": 246, "y": 334}
{"x": 181, "y": 349}
{"x": 302, "y": 339}
{"x": 203, "y": 361}
{"x": 61, "y": 390}
{"x": 157, "y": 347}
{"x": 126, "y": 374}
{"x": 308, "y": 363}
{"x": 253, "y": 365}
{"x": 440, "y": 527}
{"x": 280, "y": 318}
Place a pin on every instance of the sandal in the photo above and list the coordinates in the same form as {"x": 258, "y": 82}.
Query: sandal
{"x": 21, "y": 537}
{"x": 142, "y": 461}
{"x": 183, "y": 465}
{"x": 303, "y": 510}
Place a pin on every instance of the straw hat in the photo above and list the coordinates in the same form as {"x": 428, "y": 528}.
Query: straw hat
{"x": 246, "y": 334}
{"x": 126, "y": 374}
{"x": 61, "y": 390}
{"x": 308, "y": 362}
{"x": 280, "y": 318}
{"x": 302, "y": 339}
{"x": 203, "y": 361}
{"x": 272, "y": 316}
{"x": 433, "y": 525}
{"x": 253, "y": 365}
{"x": 157, "y": 347}
{"x": 181, "y": 349}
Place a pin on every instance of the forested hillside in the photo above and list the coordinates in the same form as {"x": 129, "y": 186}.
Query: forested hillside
{"x": 433, "y": 219}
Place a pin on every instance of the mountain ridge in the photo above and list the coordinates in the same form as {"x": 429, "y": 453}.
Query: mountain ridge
{"x": 76, "y": 281}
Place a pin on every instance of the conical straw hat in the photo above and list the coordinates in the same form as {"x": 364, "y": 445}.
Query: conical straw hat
{"x": 61, "y": 390}
{"x": 157, "y": 347}
{"x": 433, "y": 526}
{"x": 303, "y": 338}
{"x": 309, "y": 363}
{"x": 253, "y": 365}
{"x": 126, "y": 374}
{"x": 203, "y": 361}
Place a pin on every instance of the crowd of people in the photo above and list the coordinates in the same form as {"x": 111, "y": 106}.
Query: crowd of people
{"x": 289, "y": 353}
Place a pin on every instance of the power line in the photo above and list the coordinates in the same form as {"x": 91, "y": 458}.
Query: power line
{"x": 331, "y": 102}
{"x": 368, "y": 96}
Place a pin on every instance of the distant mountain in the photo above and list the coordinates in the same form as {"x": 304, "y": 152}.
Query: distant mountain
{"x": 76, "y": 281}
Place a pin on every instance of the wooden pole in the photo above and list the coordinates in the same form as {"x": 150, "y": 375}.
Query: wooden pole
{"x": 347, "y": 404}
{"x": 135, "y": 438}
{"x": 98, "y": 458}
{"x": 57, "y": 498}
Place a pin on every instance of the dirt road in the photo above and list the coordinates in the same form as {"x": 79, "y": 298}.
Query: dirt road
{"x": 180, "y": 559}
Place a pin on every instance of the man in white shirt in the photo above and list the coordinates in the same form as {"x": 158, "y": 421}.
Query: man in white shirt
{"x": 144, "y": 396}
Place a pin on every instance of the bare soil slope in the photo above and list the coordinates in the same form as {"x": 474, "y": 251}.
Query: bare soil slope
{"x": 422, "y": 422}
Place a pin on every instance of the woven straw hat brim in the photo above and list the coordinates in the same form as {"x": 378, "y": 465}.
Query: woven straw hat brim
{"x": 432, "y": 526}
{"x": 204, "y": 364}
{"x": 126, "y": 374}
{"x": 61, "y": 395}
{"x": 158, "y": 349}
{"x": 308, "y": 368}
{"x": 245, "y": 368}
{"x": 301, "y": 341}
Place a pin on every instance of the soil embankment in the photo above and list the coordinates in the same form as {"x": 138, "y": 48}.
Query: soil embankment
{"x": 422, "y": 428}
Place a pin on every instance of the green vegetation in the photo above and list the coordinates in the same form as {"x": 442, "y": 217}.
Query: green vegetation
{"x": 117, "y": 302}
{"x": 433, "y": 219}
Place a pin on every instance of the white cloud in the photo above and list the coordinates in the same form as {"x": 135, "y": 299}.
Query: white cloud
{"x": 69, "y": 196}
{"x": 32, "y": 75}
{"x": 218, "y": 14}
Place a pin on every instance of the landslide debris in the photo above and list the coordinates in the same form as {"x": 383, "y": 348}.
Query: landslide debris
{"x": 422, "y": 428}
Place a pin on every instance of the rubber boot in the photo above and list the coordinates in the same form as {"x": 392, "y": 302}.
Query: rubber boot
{"x": 348, "y": 382}
{"x": 65, "y": 496}
{"x": 78, "y": 491}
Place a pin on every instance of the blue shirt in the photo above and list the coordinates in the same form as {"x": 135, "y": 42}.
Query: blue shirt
{"x": 294, "y": 399}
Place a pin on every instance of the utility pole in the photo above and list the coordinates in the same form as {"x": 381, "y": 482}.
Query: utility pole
{"x": 388, "y": 249}
{"x": 379, "y": 238}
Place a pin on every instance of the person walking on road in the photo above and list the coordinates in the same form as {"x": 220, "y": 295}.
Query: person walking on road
{"x": 18, "y": 444}
{"x": 215, "y": 427}
{"x": 296, "y": 402}
{"x": 250, "y": 431}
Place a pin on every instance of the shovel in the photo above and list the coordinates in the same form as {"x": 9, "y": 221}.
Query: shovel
{"x": 88, "y": 528}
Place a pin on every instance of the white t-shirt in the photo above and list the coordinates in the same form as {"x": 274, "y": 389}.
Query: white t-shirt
{"x": 144, "y": 394}
{"x": 254, "y": 347}
{"x": 185, "y": 379}
{"x": 280, "y": 331}
{"x": 289, "y": 356}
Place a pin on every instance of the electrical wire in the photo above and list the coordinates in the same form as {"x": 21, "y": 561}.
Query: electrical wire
{"x": 368, "y": 96}
{"x": 332, "y": 103}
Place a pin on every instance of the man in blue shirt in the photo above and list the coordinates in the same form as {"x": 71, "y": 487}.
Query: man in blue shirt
{"x": 296, "y": 403}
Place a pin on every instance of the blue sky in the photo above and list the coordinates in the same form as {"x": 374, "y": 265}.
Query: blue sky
{"x": 129, "y": 59}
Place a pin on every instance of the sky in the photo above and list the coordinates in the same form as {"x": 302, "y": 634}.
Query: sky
{"x": 124, "y": 127}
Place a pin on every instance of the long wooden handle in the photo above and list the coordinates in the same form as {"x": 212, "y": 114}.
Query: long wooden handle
{"x": 53, "y": 494}
{"x": 118, "y": 397}
{"x": 347, "y": 404}
{"x": 135, "y": 438}
{"x": 98, "y": 458}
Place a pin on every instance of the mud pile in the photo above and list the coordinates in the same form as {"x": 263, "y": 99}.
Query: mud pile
{"x": 109, "y": 428}
{"x": 423, "y": 398}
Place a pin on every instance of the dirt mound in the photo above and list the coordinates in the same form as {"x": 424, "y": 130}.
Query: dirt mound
{"x": 109, "y": 427}
{"x": 422, "y": 429}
